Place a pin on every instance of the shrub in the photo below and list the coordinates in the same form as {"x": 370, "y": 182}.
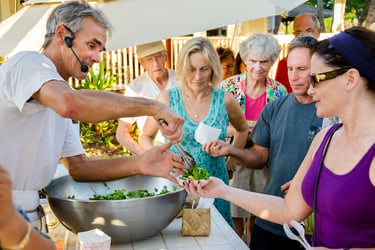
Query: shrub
{"x": 99, "y": 136}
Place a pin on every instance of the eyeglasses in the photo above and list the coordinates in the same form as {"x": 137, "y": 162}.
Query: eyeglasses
{"x": 315, "y": 78}
{"x": 158, "y": 58}
{"x": 308, "y": 40}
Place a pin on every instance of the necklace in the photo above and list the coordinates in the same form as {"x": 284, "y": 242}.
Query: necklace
{"x": 196, "y": 114}
{"x": 191, "y": 106}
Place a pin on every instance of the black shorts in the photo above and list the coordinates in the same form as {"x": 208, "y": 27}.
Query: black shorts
{"x": 264, "y": 240}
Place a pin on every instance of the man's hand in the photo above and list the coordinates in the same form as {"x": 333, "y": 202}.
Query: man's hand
{"x": 157, "y": 161}
{"x": 285, "y": 187}
{"x": 171, "y": 128}
{"x": 232, "y": 164}
{"x": 217, "y": 148}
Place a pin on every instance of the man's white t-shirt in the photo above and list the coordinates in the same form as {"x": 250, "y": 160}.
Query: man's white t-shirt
{"x": 143, "y": 86}
{"x": 34, "y": 137}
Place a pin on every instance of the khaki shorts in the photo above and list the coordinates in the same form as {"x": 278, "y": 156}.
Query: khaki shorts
{"x": 248, "y": 179}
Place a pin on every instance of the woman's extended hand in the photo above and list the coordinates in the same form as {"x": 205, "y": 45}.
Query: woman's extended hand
{"x": 212, "y": 188}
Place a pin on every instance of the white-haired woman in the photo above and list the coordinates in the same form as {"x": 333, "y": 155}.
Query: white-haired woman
{"x": 253, "y": 89}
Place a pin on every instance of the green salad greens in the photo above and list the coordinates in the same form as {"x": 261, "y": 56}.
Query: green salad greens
{"x": 195, "y": 173}
{"x": 120, "y": 194}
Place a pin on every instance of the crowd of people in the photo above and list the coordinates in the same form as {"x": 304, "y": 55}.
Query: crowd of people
{"x": 339, "y": 158}
{"x": 276, "y": 159}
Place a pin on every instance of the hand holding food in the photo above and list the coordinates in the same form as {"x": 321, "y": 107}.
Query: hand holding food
{"x": 212, "y": 188}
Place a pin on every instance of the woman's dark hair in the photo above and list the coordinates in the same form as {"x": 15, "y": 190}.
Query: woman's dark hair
{"x": 237, "y": 65}
{"x": 333, "y": 58}
{"x": 224, "y": 53}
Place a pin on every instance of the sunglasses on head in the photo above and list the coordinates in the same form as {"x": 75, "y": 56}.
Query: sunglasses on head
{"x": 307, "y": 40}
{"x": 320, "y": 77}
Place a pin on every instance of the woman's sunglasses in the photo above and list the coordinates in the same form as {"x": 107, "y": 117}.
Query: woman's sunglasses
{"x": 308, "y": 40}
{"x": 320, "y": 77}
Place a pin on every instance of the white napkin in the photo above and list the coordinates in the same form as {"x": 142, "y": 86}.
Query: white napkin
{"x": 205, "y": 203}
{"x": 205, "y": 133}
{"x": 93, "y": 240}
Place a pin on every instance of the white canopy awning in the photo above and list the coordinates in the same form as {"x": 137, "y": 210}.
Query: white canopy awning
{"x": 140, "y": 21}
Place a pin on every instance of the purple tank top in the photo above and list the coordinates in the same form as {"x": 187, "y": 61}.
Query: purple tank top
{"x": 345, "y": 215}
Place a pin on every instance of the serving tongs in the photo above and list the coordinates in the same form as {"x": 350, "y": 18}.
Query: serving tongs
{"x": 301, "y": 233}
{"x": 187, "y": 158}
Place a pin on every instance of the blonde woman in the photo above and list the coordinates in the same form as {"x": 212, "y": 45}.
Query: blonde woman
{"x": 199, "y": 100}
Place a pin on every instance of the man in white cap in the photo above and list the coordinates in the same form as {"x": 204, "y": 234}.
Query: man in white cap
{"x": 152, "y": 57}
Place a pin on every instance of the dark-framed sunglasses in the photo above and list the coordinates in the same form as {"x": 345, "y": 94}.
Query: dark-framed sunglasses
{"x": 307, "y": 40}
{"x": 320, "y": 77}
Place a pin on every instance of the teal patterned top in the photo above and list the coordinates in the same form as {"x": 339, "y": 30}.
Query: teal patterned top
{"x": 218, "y": 118}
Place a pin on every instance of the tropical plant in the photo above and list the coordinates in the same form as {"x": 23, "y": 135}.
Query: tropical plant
{"x": 101, "y": 133}
{"x": 102, "y": 80}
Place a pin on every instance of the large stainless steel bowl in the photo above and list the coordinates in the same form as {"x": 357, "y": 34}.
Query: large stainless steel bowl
{"x": 123, "y": 220}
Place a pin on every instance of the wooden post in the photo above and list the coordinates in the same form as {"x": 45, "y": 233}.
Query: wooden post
{"x": 169, "y": 52}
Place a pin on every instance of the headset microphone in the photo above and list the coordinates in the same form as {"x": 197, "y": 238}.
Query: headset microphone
{"x": 69, "y": 43}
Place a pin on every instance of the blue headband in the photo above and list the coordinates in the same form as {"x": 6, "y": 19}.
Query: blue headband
{"x": 354, "y": 51}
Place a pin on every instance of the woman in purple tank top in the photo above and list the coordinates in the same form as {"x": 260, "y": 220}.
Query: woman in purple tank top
{"x": 336, "y": 180}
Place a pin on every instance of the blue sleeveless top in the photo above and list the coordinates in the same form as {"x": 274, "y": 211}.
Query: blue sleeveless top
{"x": 218, "y": 118}
{"x": 345, "y": 203}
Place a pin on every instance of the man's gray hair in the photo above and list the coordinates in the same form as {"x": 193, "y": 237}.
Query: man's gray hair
{"x": 71, "y": 14}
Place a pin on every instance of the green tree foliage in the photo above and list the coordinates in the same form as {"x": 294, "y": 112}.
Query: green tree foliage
{"x": 327, "y": 4}
{"x": 355, "y": 10}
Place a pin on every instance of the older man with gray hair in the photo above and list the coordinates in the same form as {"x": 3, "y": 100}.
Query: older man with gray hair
{"x": 152, "y": 56}
{"x": 305, "y": 24}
